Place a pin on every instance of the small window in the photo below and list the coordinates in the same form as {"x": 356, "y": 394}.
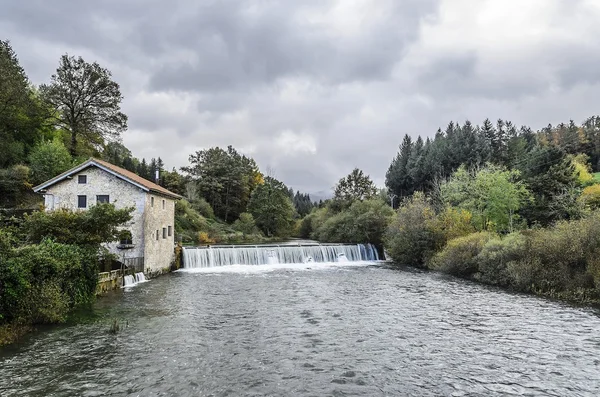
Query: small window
{"x": 81, "y": 201}
{"x": 102, "y": 199}
{"x": 151, "y": 201}
{"x": 170, "y": 231}
{"x": 163, "y": 204}
{"x": 125, "y": 237}
{"x": 82, "y": 179}
{"x": 157, "y": 234}
{"x": 164, "y": 232}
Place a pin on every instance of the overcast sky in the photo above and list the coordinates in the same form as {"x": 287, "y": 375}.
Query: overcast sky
{"x": 314, "y": 88}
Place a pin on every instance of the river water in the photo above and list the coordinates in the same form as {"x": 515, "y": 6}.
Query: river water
{"x": 338, "y": 331}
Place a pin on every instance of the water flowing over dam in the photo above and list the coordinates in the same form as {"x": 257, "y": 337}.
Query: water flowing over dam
{"x": 203, "y": 257}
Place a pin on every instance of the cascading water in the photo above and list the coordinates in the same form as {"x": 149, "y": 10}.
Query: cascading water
{"x": 130, "y": 281}
{"x": 271, "y": 255}
{"x": 140, "y": 278}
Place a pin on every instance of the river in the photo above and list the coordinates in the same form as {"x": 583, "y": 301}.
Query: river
{"x": 337, "y": 331}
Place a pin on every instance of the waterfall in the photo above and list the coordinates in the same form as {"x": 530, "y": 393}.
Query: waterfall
{"x": 140, "y": 278}
{"x": 201, "y": 257}
{"x": 130, "y": 281}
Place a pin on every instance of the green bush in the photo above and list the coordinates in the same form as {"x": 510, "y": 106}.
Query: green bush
{"x": 245, "y": 224}
{"x": 48, "y": 159}
{"x": 100, "y": 224}
{"x": 41, "y": 283}
{"x": 497, "y": 256}
{"x": 203, "y": 208}
{"x": 560, "y": 258}
{"x": 410, "y": 239}
{"x": 306, "y": 228}
{"x": 459, "y": 256}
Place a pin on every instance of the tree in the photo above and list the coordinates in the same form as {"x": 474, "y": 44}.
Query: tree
{"x": 272, "y": 208}
{"x": 225, "y": 179}
{"x": 21, "y": 112}
{"x": 14, "y": 186}
{"x": 550, "y": 175}
{"x": 116, "y": 153}
{"x": 364, "y": 222}
{"x": 245, "y": 224}
{"x": 397, "y": 178}
{"x": 303, "y": 204}
{"x": 48, "y": 159}
{"x": 410, "y": 239}
{"x": 86, "y": 102}
{"x": 492, "y": 194}
{"x": 355, "y": 186}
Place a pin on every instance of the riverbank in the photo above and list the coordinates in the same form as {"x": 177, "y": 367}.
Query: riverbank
{"x": 561, "y": 261}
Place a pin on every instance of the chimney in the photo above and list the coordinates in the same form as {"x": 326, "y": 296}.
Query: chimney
{"x": 157, "y": 176}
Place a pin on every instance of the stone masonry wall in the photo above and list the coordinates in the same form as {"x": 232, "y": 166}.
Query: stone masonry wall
{"x": 159, "y": 252}
{"x": 122, "y": 194}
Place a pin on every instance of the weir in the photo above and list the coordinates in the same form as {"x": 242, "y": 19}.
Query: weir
{"x": 202, "y": 257}
{"x": 131, "y": 280}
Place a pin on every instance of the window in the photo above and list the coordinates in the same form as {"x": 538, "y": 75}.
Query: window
{"x": 151, "y": 201}
{"x": 81, "y": 201}
{"x": 82, "y": 179}
{"x": 163, "y": 204}
{"x": 164, "y": 232}
{"x": 170, "y": 231}
{"x": 125, "y": 237}
{"x": 102, "y": 199}
{"x": 157, "y": 234}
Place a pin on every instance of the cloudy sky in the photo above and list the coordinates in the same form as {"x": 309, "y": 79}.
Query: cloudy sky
{"x": 314, "y": 88}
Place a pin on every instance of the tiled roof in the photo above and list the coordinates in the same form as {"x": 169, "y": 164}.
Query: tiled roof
{"x": 123, "y": 173}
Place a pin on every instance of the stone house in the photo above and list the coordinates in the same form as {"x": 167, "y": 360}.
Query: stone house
{"x": 152, "y": 227}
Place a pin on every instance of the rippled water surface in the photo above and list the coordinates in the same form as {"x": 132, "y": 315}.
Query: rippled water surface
{"x": 364, "y": 331}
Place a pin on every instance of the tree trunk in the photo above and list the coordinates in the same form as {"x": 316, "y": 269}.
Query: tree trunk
{"x": 73, "y": 148}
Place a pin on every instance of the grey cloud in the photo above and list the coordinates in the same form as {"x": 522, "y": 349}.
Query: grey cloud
{"x": 197, "y": 74}
{"x": 235, "y": 51}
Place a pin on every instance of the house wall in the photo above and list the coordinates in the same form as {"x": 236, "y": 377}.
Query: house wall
{"x": 121, "y": 193}
{"x": 159, "y": 253}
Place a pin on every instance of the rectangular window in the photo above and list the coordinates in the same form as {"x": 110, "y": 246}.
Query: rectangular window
{"x": 151, "y": 201}
{"x": 170, "y": 231}
{"x": 102, "y": 199}
{"x": 81, "y": 201}
{"x": 164, "y": 232}
{"x": 163, "y": 204}
{"x": 157, "y": 234}
{"x": 82, "y": 179}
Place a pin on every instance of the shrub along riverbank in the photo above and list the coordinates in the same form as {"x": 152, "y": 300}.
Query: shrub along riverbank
{"x": 561, "y": 261}
{"x": 49, "y": 265}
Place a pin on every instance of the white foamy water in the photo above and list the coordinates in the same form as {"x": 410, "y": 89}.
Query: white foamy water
{"x": 130, "y": 281}
{"x": 276, "y": 255}
{"x": 279, "y": 266}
